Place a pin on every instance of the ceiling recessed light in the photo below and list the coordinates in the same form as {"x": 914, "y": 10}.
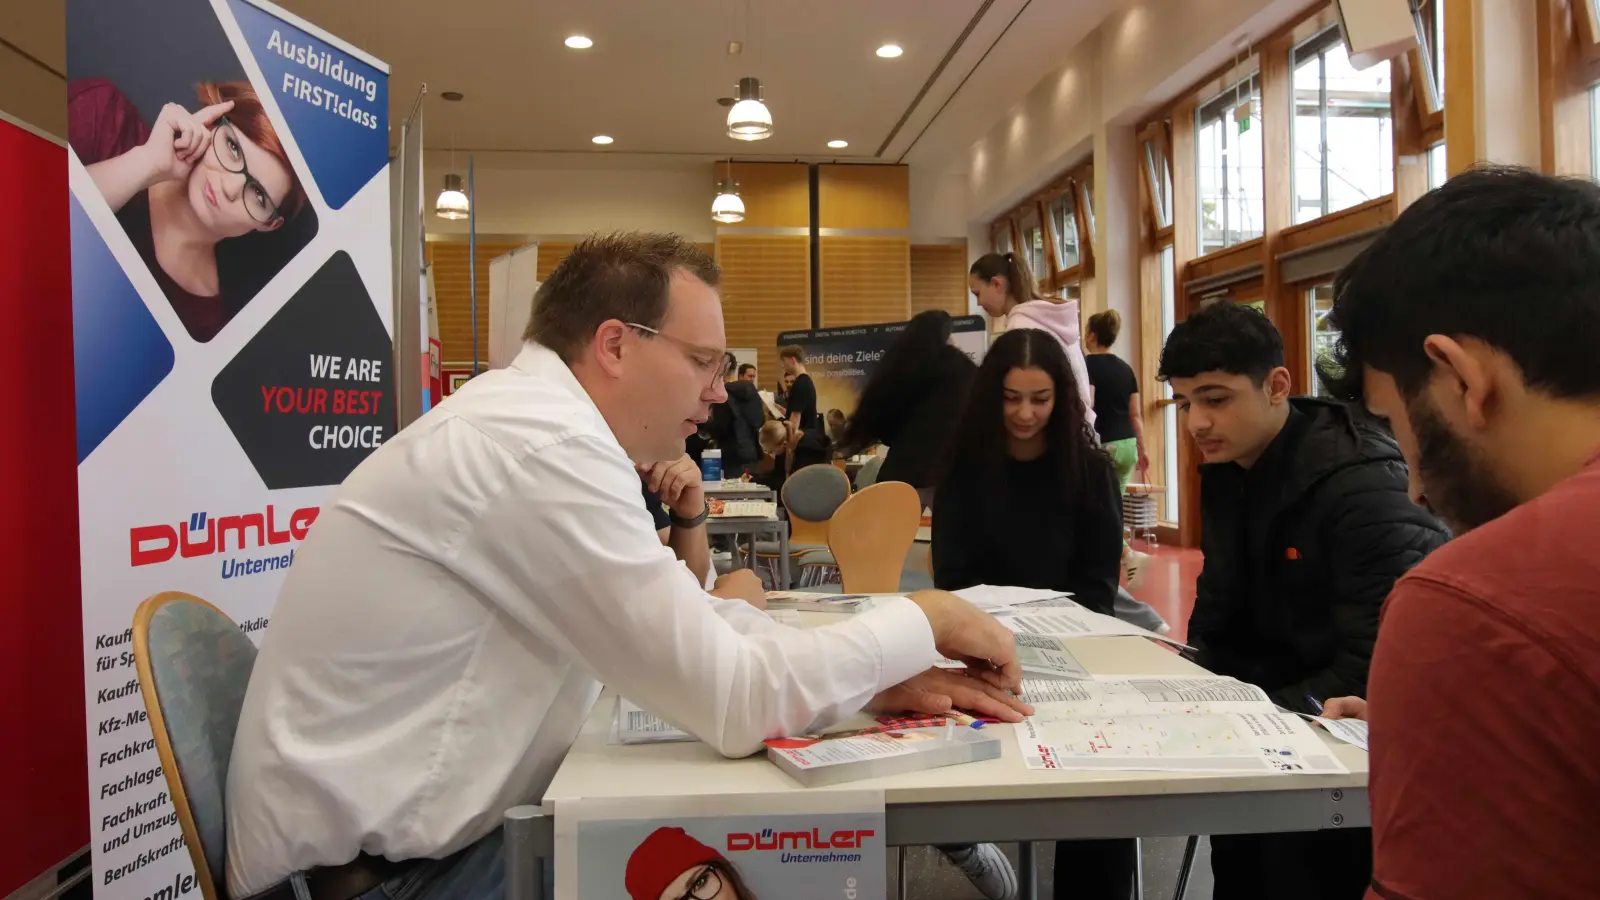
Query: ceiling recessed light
{"x": 579, "y": 42}
{"x": 838, "y": 145}
{"x": 601, "y": 139}
{"x": 890, "y": 51}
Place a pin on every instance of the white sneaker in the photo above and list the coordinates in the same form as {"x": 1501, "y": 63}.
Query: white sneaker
{"x": 1133, "y": 563}
{"x": 987, "y": 868}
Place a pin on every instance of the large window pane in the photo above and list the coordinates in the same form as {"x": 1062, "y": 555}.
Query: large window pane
{"x": 1319, "y": 301}
{"x": 1033, "y": 242}
{"x": 1436, "y": 162}
{"x": 1343, "y": 131}
{"x": 1229, "y": 173}
{"x": 1169, "y": 412}
{"x": 1064, "y": 222}
{"x": 1429, "y": 17}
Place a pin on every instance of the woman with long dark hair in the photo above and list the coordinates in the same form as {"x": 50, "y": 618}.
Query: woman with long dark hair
{"x": 912, "y": 402}
{"x": 1029, "y": 500}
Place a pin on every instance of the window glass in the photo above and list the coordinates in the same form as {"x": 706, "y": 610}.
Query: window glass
{"x": 1169, "y": 411}
{"x": 1064, "y": 222}
{"x": 1033, "y": 242}
{"x": 1436, "y": 169}
{"x": 1228, "y": 179}
{"x": 1158, "y": 175}
{"x": 1429, "y": 18}
{"x": 1002, "y": 237}
{"x": 1343, "y": 130}
{"x": 1319, "y": 301}
{"x": 1594, "y": 131}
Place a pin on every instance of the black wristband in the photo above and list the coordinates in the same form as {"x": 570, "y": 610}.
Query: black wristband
{"x": 695, "y": 522}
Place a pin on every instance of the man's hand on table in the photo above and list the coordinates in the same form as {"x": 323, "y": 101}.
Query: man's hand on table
{"x": 679, "y": 485}
{"x": 741, "y": 584}
{"x": 964, "y": 633}
{"x": 1345, "y": 708}
{"x": 939, "y": 691}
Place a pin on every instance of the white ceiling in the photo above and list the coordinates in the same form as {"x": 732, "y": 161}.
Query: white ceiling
{"x": 657, "y": 66}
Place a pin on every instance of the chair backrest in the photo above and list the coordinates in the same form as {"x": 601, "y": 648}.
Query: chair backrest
{"x": 868, "y": 476}
{"x": 811, "y": 496}
{"x": 194, "y": 665}
{"x": 871, "y": 534}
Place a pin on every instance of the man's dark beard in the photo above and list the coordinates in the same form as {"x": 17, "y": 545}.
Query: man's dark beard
{"x": 1457, "y": 484}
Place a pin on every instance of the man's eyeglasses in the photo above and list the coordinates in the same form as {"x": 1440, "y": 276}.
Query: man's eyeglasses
{"x": 712, "y": 360}
{"x": 704, "y": 885}
{"x": 230, "y": 152}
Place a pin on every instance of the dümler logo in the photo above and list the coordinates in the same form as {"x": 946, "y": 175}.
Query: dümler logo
{"x": 149, "y": 544}
{"x": 797, "y": 840}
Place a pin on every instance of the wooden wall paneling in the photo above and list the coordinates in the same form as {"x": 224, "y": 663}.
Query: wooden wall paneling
{"x": 1460, "y": 93}
{"x": 855, "y": 196}
{"x": 776, "y": 195}
{"x": 1564, "y": 115}
{"x": 1410, "y": 148}
{"x": 551, "y": 253}
{"x": 864, "y": 280}
{"x": 766, "y": 289}
{"x": 451, "y": 280}
{"x": 939, "y": 278}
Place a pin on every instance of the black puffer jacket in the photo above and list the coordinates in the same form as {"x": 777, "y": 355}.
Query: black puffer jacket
{"x": 1300, "y": 553}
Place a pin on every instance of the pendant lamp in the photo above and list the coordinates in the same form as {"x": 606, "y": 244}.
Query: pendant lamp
{"x": 749, "y": 119}
{"x": 452, "y": 202}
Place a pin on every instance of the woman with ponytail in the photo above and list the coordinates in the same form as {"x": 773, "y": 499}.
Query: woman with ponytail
{"x": 1004, "y": 286}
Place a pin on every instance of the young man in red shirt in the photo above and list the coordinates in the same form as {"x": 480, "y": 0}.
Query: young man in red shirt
{"x": 1473, "y": 325}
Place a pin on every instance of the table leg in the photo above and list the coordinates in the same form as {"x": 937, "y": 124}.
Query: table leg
{"x": 783, "y": 555}
{"x": 524, "y": 867}
{"x": 1138, "y": 869}
{"x": 1028, "y": 871}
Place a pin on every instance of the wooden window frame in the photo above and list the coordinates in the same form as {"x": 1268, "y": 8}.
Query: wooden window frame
{"x": 1427, "y": 92}
{"x": 1079, "y": 182}
{"x": 1155, "y": 160}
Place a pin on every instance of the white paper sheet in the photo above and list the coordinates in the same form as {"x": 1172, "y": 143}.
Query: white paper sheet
{"x": 1047, "y": 655}
{"x": 988, "y": 596}
{"x": 1143, "y": 696}
{"x": 1351, "y": 731}
{"x": 1077, "y": 622}
{"x": 635, "y": 726}
{"x": 1177, "y": 742}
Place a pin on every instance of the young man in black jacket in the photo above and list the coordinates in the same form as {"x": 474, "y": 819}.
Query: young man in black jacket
{"x": 735, "y": 424}
{"x": 1305, "y": 524}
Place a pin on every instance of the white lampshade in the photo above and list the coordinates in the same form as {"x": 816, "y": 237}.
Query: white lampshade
{"x": 452, "y": 203}
{"x": 749, "y": 119}
{"x": 728, "y": 207}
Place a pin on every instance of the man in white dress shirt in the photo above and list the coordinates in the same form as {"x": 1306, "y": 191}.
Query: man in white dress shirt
{"x": 451, "y": 617}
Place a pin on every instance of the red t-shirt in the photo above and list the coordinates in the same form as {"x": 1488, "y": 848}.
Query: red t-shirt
{"x": 1485, "y": 711}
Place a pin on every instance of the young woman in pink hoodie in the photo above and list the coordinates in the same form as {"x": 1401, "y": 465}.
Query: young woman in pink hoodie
{"x": 1005, "y": 287}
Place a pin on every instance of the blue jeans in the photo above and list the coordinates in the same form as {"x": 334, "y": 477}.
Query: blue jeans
{"x": 476, "y": 873}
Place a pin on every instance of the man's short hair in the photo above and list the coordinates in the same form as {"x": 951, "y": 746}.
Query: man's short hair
{"x": 794, "y": 352}
{"x": 1502, "y": 254}
{"x": 1222, "y": 337}
{"x": 622, "y": 276}
{"x": 746, "y": 369}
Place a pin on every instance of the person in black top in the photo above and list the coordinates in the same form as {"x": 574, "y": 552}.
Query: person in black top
{"x": 735, "y": 422}
{"x": 912, "y": 403}
{"x": 1027, "y": 500}
{"x": 1305, "y": 523}
{"x": 1117, "y": 415}
{"x": 808, "y": 441}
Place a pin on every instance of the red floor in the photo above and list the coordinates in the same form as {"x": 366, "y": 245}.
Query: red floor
{"x": 1168, "y": 585}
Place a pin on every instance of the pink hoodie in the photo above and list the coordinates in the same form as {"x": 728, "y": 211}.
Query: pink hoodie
{"x": 1061, "y": 320}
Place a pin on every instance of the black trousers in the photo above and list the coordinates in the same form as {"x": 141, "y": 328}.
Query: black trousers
{"x": 1095, "y": 870}
{"x": 1307, "y": 865}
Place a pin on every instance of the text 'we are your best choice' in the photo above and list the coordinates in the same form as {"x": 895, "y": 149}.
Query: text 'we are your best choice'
{"x": 330, "y": 402}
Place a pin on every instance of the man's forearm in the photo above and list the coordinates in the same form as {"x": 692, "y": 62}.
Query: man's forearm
{"x": 691, "y": 546}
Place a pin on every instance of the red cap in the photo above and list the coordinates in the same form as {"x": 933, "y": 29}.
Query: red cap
{"x": 663, "y": 856}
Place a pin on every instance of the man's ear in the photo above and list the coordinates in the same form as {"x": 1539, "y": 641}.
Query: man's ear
{"x": 607, "y": 347}
{"x": 1461, "y": 381}
{"x": 1278, "y": 384}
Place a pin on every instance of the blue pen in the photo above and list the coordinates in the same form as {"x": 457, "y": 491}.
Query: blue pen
{"x": 1314, "y": 704}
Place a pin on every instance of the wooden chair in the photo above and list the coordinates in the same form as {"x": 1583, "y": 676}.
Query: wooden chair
{"x": 871, "y": 534}
{"x": 194, "y": 665}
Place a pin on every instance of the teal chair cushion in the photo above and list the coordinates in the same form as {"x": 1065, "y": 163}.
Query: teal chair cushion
{"x": 201, "y": 662}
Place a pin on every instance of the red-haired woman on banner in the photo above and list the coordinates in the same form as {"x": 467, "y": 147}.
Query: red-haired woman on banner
{"x": 185, "y": 184}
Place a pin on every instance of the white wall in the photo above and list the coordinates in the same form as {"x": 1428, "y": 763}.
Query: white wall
{"x": 938, "y": 205}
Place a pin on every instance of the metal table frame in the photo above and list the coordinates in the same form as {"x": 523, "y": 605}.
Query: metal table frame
{"x": 755, "y": 528}
{"x": 530, "y": 834}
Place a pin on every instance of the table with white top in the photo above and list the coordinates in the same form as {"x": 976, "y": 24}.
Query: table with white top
{"x": 994, "y": 800}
